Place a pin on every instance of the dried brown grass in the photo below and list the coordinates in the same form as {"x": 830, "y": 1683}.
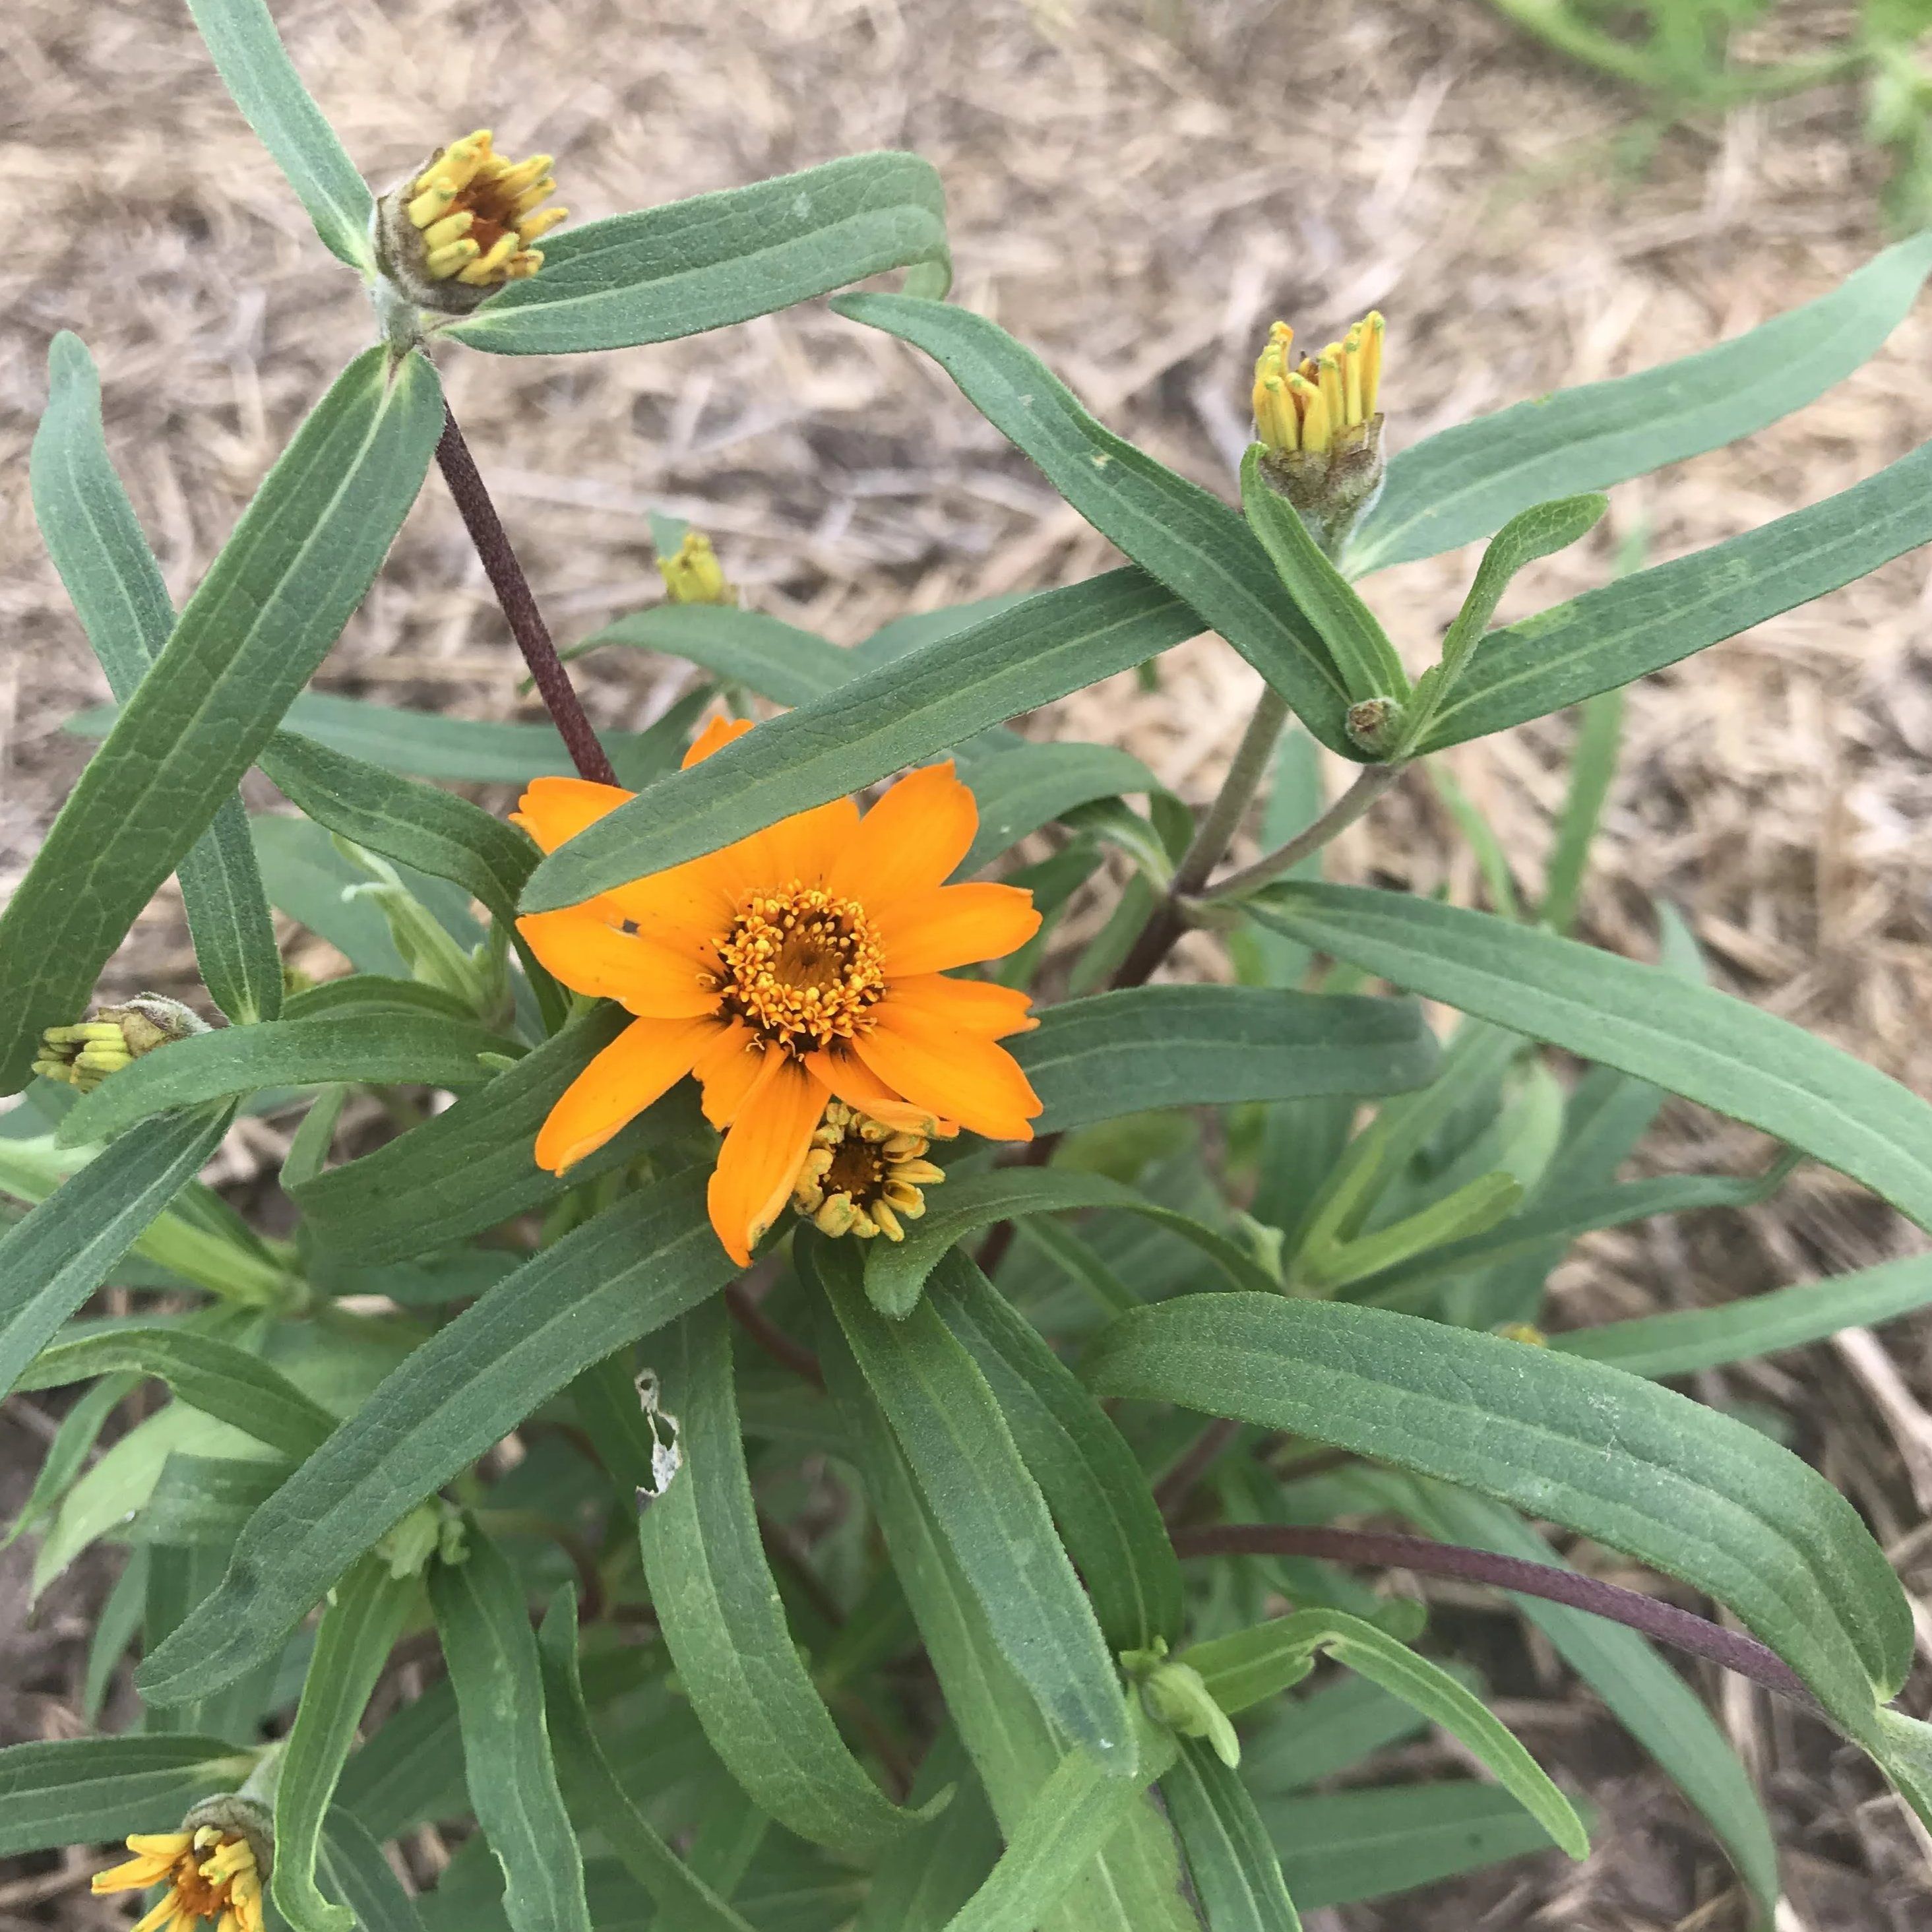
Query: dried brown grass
{"x": 1135, "y": 192}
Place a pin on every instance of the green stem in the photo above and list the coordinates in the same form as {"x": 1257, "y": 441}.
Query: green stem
{"x": 1369, "y": 786}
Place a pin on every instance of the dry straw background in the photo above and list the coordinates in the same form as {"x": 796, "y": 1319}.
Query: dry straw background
{"x": 1135, "y": 191}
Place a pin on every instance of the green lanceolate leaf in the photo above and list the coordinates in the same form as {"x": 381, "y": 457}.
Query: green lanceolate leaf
{"x": 80, "y": 1790}
{"x": 910, "y": 709}
{"x": 680, "y": 1895}
{"x": 635, "y": 1267}
{"x": 1134, "y": 1884}
{"x": 1468, "y": 480}
{"x": 382, "y": 1047}
{"x": 1688, "y": 1340}
{"x": 895, "y": 1274}
{"x": 205, "y": 1372}
{"x": 1648, "y": 1698}
{"x": 1593, "y": 770}
{"x": 1170, "y": 1046}
{"x": 287, "y": 580}
{"x": 259, "y": 74}
{"x": 91, "y": 532}
{"x": 1358, "y": 645}
{"x": 1537, "y": 533}
{"x": 204, "y": 1498}
{"x": 1560, "y": 1220}
{"x": 1090, "y": 1477}
{"x": 1425, "y": 1687}
{"x": 1020, "y": 789}
{"x": 492, "y": 1653}
{"x": 1696, "y": 1494}
{"x": 67, "y": 1455}
{"x": 718, "y": 258}
{"x": 472, "y": 1167}
{"x": 1196, "y": 545}
{"x": 1364, "y": 1844}
{"x": 410, "y": 1772}
{"x": 718, "y": 1609}
{"x": 354, "y": 1872}
{"x": 989, "y": 1508}
{"x": 418, "y": 825}
{"x": 1643, "y": 1020}
{"x": 776, "y": 660}
{"x": 1078, "y": 1810}
{"x": 1236, "y": 1876}
{"x": 57, "y": 1254}
{"x": 1625, "y": 630}
{"x": 353, "y": 1641}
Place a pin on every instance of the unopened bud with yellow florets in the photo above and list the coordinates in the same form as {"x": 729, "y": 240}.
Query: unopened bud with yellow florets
{"x": 694, "y": 575}
{"x": 1319, "y": 427}
{"x": 84, "y": 1054}
{"x": 465, "y": 223}
{"x": 211, "y": 1871}
{"x": 862, "y": 1178}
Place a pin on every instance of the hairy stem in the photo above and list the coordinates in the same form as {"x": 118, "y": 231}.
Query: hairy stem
{"x": 1664, "y": 1622}
{"x": 1369, "y": 786}
{"x": 520, "y": 608}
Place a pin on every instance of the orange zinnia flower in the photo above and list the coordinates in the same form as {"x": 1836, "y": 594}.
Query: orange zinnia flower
{"x": 804, "y": 962}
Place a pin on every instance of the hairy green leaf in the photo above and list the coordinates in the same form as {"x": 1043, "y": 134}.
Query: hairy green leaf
{"x": 1236, "y": 1876}
{"x": 1197, "y": 546}
{"x": 718, "y": 259}
{"x": 90, "y": 530}
{"x": 80, "y": 1790}
{"x": 285, "y": 583}
{"x": 1644, "y": 1020}
{"x": 1696, "y": 1494}
{"x": 1466, "y": 481}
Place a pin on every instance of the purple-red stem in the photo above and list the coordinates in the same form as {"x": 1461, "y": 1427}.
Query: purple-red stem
{"x": 520, "y": 608}
{"x": 1665, "y": 1622}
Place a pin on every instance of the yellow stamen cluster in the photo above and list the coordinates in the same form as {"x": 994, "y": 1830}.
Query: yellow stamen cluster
{"x": 84, "y": 1054}
{"x": 801, "y": 967}
{"x": 210, "y": 1874}
{"x": 478, "y": 215}
{"x": 862, "y": 1178}
{"x": 1328, "y": 399}
{"x": 695, "y": 575}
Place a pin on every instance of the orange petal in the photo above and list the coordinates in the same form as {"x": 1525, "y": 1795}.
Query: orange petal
{"x": 715, "y": 735}
{"x": 646, "y": 1059}
{"x": 974, "y": 1006}
{"x": 555, "y": 809}
{"x": 590, "y": 955}
{"x": 964, "y": 1076}
{"x": 763, "y": 1152}
{"x": 687, "y": 909}
{"x": 858, "y": 1086}
{"x": 802, "y": 847}
{"x": 953, "y": 926}
{"x": 909, "y": 841}
{"x": 728, "y": 1069}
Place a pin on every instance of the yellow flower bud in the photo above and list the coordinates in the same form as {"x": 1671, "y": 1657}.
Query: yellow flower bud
{"x": 695, "y": 575}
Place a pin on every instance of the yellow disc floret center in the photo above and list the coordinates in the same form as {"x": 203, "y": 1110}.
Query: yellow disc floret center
{"x": 478, "y": 213}
{"x": 862, "y": 1178}
{"x": 802, "y": 967}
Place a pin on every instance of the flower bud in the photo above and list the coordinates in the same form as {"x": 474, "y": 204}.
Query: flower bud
{"x": 1321, "y": 431}
{"x": 1376, "y": 724}
{"x": 461, "y": 226}
{"x": 863, "y": 1177}
{"x": 83, "y": 1055}
{"x": 695, "y": 575}
{"x": 1177, "y": 1695}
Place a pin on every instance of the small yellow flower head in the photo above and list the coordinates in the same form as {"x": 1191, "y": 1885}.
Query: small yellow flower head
{"x": 1318, "y": 425}
{"x": 465, "y": 223}
{"x": 862, "y": 1178}
{"x": 83, "y": 1055}
{"x": 1328, "y": 401}
{"x": 695, "y": 575}
{"x": 1525, "y": 1332}
{"x": 211, "y": 1873}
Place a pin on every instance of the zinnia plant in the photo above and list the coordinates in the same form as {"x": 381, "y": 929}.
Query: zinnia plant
{"x": 806, "y": 1370}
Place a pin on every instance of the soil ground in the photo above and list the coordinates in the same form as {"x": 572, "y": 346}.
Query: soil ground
{"x": 1136, "y": 192}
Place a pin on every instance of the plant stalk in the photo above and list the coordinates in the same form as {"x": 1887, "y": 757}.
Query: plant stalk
{"x": 520, "y": 607}
{"x": 1665, "y": 1622}
{"x": 1370, "y": 785}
